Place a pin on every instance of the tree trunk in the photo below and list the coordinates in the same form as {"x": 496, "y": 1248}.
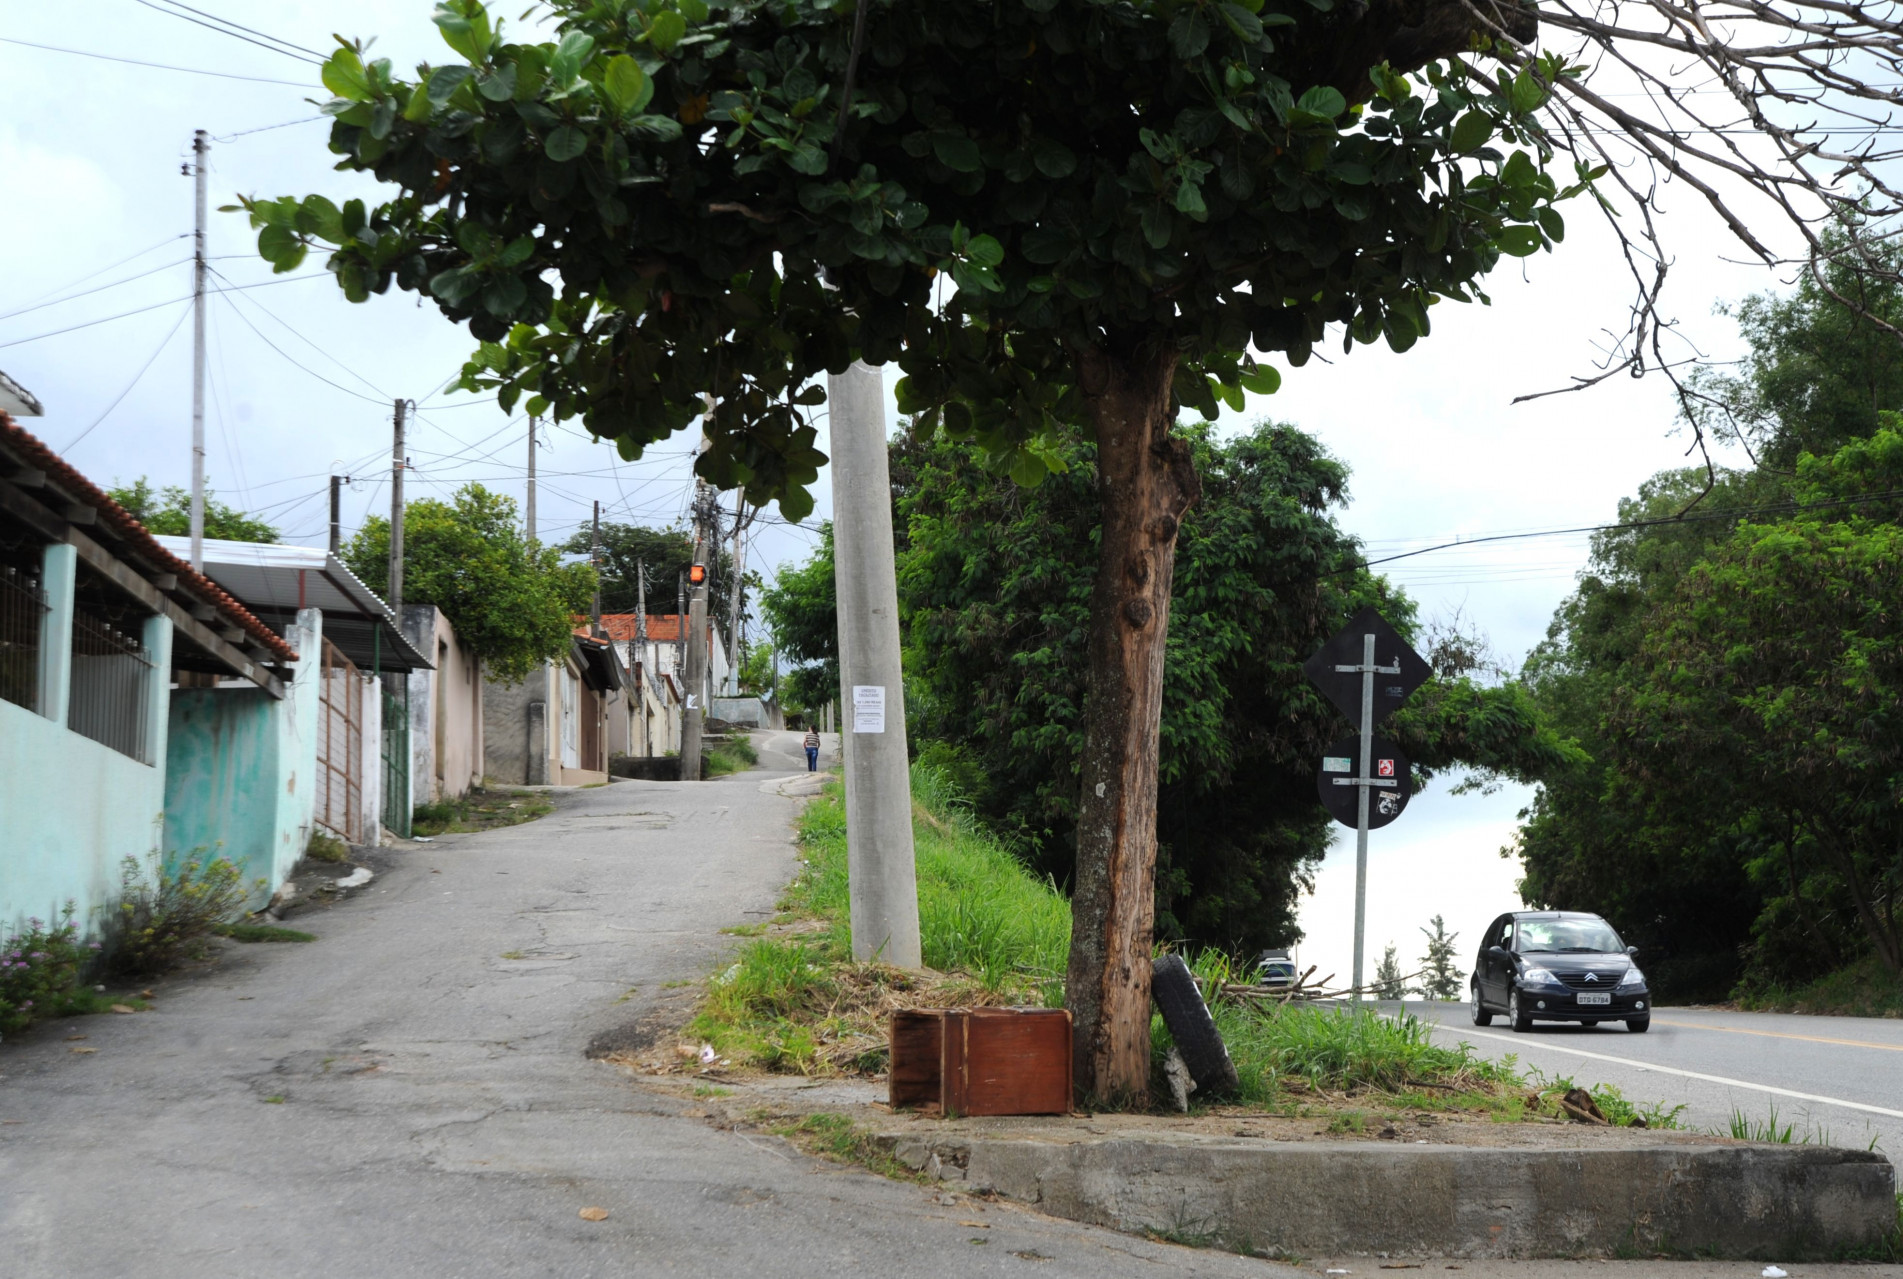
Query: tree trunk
{"x": 1146, "y": 479}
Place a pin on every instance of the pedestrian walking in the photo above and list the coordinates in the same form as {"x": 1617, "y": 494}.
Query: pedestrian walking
{"x": 812, "y": 749}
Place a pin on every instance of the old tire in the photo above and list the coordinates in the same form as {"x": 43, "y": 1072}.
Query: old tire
{"x": 1191, "y": 1026}
{"x": 1516, "y": 1015}
{"x": 1638, "y": 1025}
{"x": 1479, "y": 1010}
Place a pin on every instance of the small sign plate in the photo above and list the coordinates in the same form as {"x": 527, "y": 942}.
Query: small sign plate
{"x": 1587, "y": 998}
{"x": 1343, "y": 800}
{"x": 1343, "y": 688}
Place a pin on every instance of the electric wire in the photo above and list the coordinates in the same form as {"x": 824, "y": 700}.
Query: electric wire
{"x": 266, "y": 128}
{"x": 111, "y": 266}
{"x": 292, "y": 330}
{"x": 99, "y": 288}
{"x": 268, "y": 43}
{"x": 288, "y": 357}
{"x": 153, "y": 358}
{"x": 265, "y": 35}
{"x": 159, "y": 66}
{"x": 74, "y": 328}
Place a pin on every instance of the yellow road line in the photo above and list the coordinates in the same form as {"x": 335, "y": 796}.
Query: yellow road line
{"x": 1778, "y": 1034}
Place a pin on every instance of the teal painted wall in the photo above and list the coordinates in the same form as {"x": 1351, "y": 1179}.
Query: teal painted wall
{"x": 241, "y": 769}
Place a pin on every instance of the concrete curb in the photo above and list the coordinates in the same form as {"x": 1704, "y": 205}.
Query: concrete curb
{"x": 1335, "y": 1198}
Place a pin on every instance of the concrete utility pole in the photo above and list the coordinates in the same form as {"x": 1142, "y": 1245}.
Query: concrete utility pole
{"x": 594, "y": 562}
{"x": 337, "y": 483}
{"x": 396, "y": 514}
{"x": 737, "y": 587}
{"x": 529, "y": 510}
{"x": 200, "y": 146}
{"x": 640, "y": 663}
{"x": 879, "y": 853}
{"x": 695, "y": 639}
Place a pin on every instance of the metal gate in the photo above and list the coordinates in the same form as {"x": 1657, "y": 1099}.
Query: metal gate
{"x": 340, "y": 747}
{"x": 396, "y": 754}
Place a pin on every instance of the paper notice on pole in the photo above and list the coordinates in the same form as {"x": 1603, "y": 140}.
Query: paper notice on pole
{"x": 868, "y": 708}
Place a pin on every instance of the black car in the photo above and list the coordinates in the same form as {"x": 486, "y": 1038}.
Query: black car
{"x": 1558, "y": 965}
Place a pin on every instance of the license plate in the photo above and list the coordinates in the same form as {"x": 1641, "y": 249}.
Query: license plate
{"x": 1602, "y": 998}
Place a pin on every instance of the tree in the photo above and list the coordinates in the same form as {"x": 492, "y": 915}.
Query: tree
{"x": 514, "y": 606}
{"x": 667, "y": 553}
{"x": 168, "y": 512}
{"x": 1440, "y": 966}
{"x": 1126, "y": 194}
{"x": 1388, "y": 981}
{"x": 801, "y": 609}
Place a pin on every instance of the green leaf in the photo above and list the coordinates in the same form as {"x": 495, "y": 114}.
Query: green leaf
{"x": 626, "y": 85}
{"x": 985, "y": 251}
{"x": 517, "y": 253}
{"x": 504, "y": 294}
{"x": 498, "y": 85}
{"x": 958, "y": 152}
{"x": 796, "y": 505}
{"x": 1188, "y": 33}
{"x": 1243, "y": 22}
{"x": 318, "y": 216}
{"x": 565, "y": 143}
{"x": 1471, "y": 132}
{"x": 1027, "y": 469}
{"x": 1519, "y": 241}
{"x": 1189, "y": 199}
{"x": 465, "y": 28}
{"x": 695, "y": 11}
{"x": 444, "y": 81}
{"x": 1518, "y": 171}
{"x": 1052, "y": 158}
{"x": 1264, "y": 379}
{"x": 281, "y": 247}
{"x": 1553, "y": 224}
{"x": 666, "y": 30}
{"x": 344, "y": 76}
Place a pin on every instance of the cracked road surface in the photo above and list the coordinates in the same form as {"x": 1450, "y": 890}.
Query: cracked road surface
{"x": 411, "y": 1095}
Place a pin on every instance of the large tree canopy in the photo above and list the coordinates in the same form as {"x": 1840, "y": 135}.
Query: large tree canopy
{"x": 672, "y": 202}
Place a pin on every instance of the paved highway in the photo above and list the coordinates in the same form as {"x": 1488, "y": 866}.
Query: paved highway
{"x": 1837, "y": 1080}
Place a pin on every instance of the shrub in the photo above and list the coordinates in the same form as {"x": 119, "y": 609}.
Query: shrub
{"x": 40, "y": 970}
{"x": 160, "y": 922}
{"x": 326, "y": 848}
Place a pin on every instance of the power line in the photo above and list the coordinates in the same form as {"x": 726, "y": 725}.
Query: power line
{"x": 287, "y": 327}
{"x": 73, "y": 328}
{"x": 159, "y": 66}
{"x": 225, "y": 27}
{"x": 40, "y": 306}
{"x": 264, "y": 35}
{"x": 288, "y": 357}
{"x": 266, "y": 128}
{"x": 112, "y": 265}
{"x": 165, "y": 342}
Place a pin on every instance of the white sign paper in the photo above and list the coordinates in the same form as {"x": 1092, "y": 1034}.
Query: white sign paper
{"x": 868, "y": 708}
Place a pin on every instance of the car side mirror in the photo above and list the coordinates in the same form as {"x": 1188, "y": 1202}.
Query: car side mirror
{"x": 1632, "y": 952}
{"x": 1498, "y": 952}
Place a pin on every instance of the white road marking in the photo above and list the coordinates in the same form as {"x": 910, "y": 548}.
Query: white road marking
{"x": 1520, "y": 1042}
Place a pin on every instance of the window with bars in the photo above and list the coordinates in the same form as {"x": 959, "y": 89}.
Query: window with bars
{"x": 111, "y": 688}
{"x": 22, "y": 614}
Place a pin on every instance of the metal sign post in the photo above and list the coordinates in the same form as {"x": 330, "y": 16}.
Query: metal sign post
{"x": 1345, "y": 669}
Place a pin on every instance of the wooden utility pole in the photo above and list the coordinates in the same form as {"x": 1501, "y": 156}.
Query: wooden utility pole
{"x": 695, "y": 639}
{"x": 337, "y": 483}
{"x": 879, "y": 854}
{"x": 737, "y": 587}
{"x": 200, "y": 146}
{"x": 396, "y": 514}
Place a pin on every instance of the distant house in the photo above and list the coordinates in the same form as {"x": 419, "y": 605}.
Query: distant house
{"x": 662, "y": 661}
{"x": 363, "y": 756}
{"x": 552, "y": 728}
{"x": 101, "y": 757}
{"x": 445, "y": 709}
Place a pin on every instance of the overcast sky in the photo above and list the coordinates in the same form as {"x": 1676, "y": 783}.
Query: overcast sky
{"x": 302, "y": 381}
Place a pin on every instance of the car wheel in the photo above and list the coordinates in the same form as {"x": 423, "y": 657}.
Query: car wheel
{"x": 1191, "y": 1027}
{"x": 1516, "y": 1014}
{"x": 1480, "y": 1014}
{"x": 1638, "y": 1025}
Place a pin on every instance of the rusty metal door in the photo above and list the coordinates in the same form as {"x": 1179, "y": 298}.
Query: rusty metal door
{"x": 340, "y": 747}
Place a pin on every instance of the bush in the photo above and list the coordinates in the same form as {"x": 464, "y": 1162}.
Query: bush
{"x": 40, "y": 971}
{"x": 160, "y": 922}
{"x": 730, "y": 755}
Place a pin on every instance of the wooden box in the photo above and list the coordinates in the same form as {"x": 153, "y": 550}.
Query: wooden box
{"x": 982, "y": 1061}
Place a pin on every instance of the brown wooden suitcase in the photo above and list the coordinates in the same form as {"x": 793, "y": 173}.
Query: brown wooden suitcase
{"x": 982, "y": 1061}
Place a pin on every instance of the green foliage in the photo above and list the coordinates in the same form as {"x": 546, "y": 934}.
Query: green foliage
{"x": 478, "y": 809}
{"x": 1440, "y": 967}
{"x": 1859, "y": 989}
{"x": 756, "y": 670}
{"x": 800, "y": 608}
{"x": 326, "y": 848}
{"x": 994, "y": 588}
{"x": 262, "y": 933}
{"x": 168, "y": 512}
{"x": 730, "y": 755}
{"x": 1090, "y": 175}
{"x": 668, "y": 553}
{"x": 162, "y": 918}
{"x": 40, "y": 971}
{"x": 1388, "y": 978}
{"x": 514, "y": 605}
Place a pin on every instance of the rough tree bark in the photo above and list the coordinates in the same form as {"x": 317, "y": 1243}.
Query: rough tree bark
{"x": 1146, "y": 479}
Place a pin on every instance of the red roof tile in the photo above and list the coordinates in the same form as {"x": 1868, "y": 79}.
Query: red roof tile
{"x": 120, "y": 520}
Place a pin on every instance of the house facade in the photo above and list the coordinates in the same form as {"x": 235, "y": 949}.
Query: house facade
{"x": 100, "y": 625}
{"x": 553, "y": 728}
{"x": 445, "y": 709}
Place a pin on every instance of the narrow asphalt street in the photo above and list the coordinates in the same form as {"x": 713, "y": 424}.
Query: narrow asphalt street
{"x": 1836, "y": 1080}
{"x": 411, "y": 1095}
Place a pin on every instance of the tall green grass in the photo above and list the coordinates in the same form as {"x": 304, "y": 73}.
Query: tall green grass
{"x": 980, "y": 910}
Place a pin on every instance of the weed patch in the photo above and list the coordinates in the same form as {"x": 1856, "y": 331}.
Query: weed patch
{"x": 1864, "y": 989}
{"x": 164, "y": 920}
{"x": 326, "y": 848}
{"x": 40, "y": 970}
{"x": 838, "y": 1138}
{"x": 479, "y": 809}
{"x": 730, "y": 755}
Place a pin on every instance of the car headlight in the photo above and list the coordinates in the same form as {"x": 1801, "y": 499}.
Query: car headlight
{"x": 1538, "y": 977}
{"x": 1633, "y": 978}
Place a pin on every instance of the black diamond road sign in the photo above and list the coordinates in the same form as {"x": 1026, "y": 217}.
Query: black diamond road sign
{"x": 1343, "y": 688}
{"x": 1342, "y": 762}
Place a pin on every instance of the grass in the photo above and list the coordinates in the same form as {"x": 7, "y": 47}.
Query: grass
{"x": 1864, "y": 989}
{"x": 262, "y": 932}
{"x": 480, "y": 809}
{"x": 731, "y": 755}
{"x": 326, "y": 848}
{"x": 838, "y": 1137}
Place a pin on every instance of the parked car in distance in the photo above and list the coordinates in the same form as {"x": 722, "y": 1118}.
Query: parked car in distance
{"x": 1557, "y": 965}
{"x": 1275, "y": 968}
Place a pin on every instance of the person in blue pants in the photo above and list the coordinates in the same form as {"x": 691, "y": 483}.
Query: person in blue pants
{"x": 812, "y": 749}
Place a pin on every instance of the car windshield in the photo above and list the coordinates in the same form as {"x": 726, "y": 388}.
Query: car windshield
{"x": 1567, "y": 936}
